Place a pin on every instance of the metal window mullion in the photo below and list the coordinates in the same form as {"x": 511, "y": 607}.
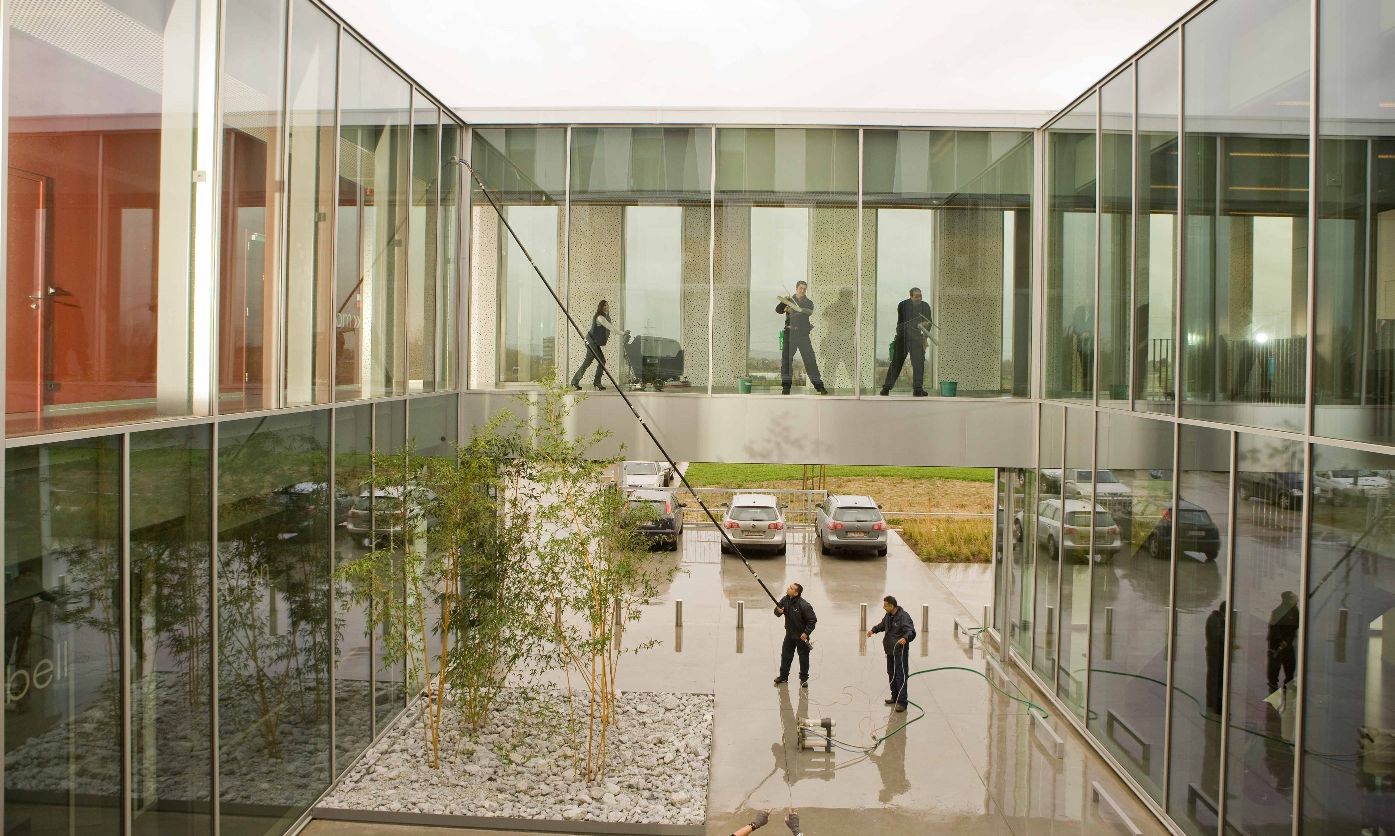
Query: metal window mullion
{"x": 439, "y": 335}
{"x": 1090, "y": 578}
{"x": 1130, "y": 360}
{"x": 1060, "y": 559}
{"x": 1039, "y": 223}
{"x": 215, "y": 750}
{"x": 1179, "y": 227}
{"x": 206, "y": 234}
{"x": 1367, "y": 273}
{"x": 711, "y": 254}
{"x": 1099, "y": 228}
{"x": 5, "y": 9}
{"x": 1304, "y": 614}
{"x": 1229, "y": 600}
{"x": 401, "y": 321}
{"x": 857, "y": 305}
{"x": 124, "y": 701}
{"x": 331, "y": 492}
{"x": 566, "y": 273}
{"x": 1171, "y": 658}
{"x": 1314, "y": 153}
{"x": 372, "y": 631}
{"x": 329, "y": 313}
{"x": 464, "y": 284}
{"x": 280, "y": 221}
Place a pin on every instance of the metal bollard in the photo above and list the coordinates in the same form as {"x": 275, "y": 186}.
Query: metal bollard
{"x": 557, "y": 613}
{"x": 1109, "y": 621}
{"x": 740, "y": 615}
{"x": 616, "y": 613}
{"x": 924, "y": 618}
{"x": 863, "y": 618}
{"x": 678, "y": 613}
{"x": 1050, "y": 620}
{"x": 987, "y": 617}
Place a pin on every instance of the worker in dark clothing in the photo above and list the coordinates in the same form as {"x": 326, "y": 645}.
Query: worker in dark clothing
{"x": 797, "y": 310}
{"x": 899, "y": 631}
{"x": 1283, "y": 640}
{"x": 596, "y": 337}
{"x": 913, "y": 323}
{"x": 799, "y": 623}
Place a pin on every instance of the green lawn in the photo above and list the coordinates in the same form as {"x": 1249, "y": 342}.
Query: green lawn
{"x": 702, "y": 474}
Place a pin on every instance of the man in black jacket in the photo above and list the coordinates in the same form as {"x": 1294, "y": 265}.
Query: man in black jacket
{"x": 799, "y": 623}
{"x": 796, "y": 338}
{"x": 899, "y": 630}
{"x": 913, "y": 320}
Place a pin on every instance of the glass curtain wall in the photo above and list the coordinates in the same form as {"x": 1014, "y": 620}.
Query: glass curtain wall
{"x": 447, "y": 315}
{"x": 1131, "y": 588}
{"x": 1046, "y": 548}
{"x": 353, "y": 640}
{"x": 1069, "y": 304}
{"x": 1354, "y": 355}
{"x": 1074, "y": 526}
{"x": 99, "y": 212}
{"x": 424, "y": 228}
{"x": 1116, "y": 238}
{"x": 1245, "y": 182}
{"x": 1155, "y": 235}
{"x": 389, "y": 439}
{"x": 786, "y": 212}
{"x": 514, "y": 320}
{"x": 371, "y": 226}
{"x": 946, "y": 213}
{"x": 641, "y": 217}
{"x": 248, "y": 300}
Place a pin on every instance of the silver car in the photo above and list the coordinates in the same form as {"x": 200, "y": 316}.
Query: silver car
{"x": 755, "y": 523}
{"x": 644, "y": 475}
{"x": 850, "y": 524}
{"x": 1068, "y": 524}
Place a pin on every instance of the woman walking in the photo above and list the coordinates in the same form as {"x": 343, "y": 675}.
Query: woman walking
{"x": 595, "y": 339}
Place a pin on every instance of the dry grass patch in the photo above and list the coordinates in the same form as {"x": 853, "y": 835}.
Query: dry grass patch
{"x": 949, "y": 539}
{"x": 913, "y": 495}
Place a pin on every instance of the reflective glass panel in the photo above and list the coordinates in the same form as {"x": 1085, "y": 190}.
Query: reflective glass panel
{"x": 274, "y": 512}
{"x": 1349, "y": 725}
{"x": 1354, "y": 357}
{"x": 947, "y": 214}
{"x": 1070, "y": 253}
{"x": 63, "y": 698}
{"x": 1245, "y": 275}
{"x": 1023, "y": 569}
{"x": 424, "y": 228}
{"x": 1200, "y": 630}
{"x": 786, "y": 213}
{"x": 1155, "y": 244}
{"x": 1263, "y": 694}
{"x": 1073, "y": 527}
{"x": 448, "y": 254}
{"x": 1047, "y": 557}
{"x": 100, "y": 144}
{"x": 353, "y": 645}
{"x": 389, "y": 438}
{"x": 640, "y": 222}
{"x": 171, "y": 632}
{"x": 514, "y": 322}
{"x": 371, "y": 227}
{"x": 310, "y": 202}
{"x": 248, "y": 313}
{"x": 1116, "y": 237}
{"x": 1128, "y": 647}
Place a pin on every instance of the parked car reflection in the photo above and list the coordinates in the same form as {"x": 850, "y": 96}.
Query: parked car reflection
{"x": 1067, "y": 523}
{"x": 1198, "y": 533}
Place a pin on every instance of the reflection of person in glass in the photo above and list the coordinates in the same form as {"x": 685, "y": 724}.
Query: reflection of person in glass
{"x": 1282, "y": 639}
{"x": 797, "y": 310}
{"x": 1215, "y": 656}
{"x": 913, "y": 323}
{"x": 595, "y": 339}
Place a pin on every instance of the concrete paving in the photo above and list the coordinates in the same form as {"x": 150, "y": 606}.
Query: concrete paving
{"x": 967, "y": 765}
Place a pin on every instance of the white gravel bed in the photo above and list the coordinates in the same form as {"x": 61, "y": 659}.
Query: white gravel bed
{"x": 658, "y": 761}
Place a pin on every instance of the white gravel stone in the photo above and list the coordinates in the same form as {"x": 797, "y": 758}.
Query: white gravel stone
{"x": 658, "y": 762}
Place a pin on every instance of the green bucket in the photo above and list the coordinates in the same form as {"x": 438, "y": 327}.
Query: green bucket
{"x": 743, "y": 385}
{"x": 949, "y": 388}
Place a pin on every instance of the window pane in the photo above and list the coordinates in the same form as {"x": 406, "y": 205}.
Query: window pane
{"x": 1020, "y": 600}
{"x": 1263, "y": 693}
{"x": 1070, "y": 253}
{"x": 641, "y": 216}
{"x": 1354, "y": 359}
{"x": 1155, "y": 260}
{"x": 389, "y": 438}
{"x": 1245, "y": 281}
{"x": 1047, "y": 559}
{"x": 514, "y": 321}
{"x": 310, "y": 202}
{"x": 1199, "y": 638}
{"x": 947, "y": 212}
{"x": 424, "y": 228}
{"x": 1071, "y": 533}
{"x": 786, "y": 213}
{"x": 171, "y": 631}
{"x": 247, "y": 310}
{"x": 1116, "y": 236}
{"x": 100, "y": 146}
{"x": 353, "y": 660}
{"x": 371, "y": 262}
{"x": 1349, "y": 728}
{"x": 448, "y": 255}
{"x": 62, "y": 662}
{"x": 273, "y": 619}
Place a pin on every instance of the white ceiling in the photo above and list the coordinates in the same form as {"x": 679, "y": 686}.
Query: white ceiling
{"x": 962, "y": 55}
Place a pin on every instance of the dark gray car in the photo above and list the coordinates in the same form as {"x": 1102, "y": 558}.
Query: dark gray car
{"x": 850, "y": 524}
{"x": 667, "y": 525}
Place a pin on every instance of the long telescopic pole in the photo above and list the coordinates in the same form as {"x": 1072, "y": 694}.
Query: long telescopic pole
{"x": 610, "y": 377}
